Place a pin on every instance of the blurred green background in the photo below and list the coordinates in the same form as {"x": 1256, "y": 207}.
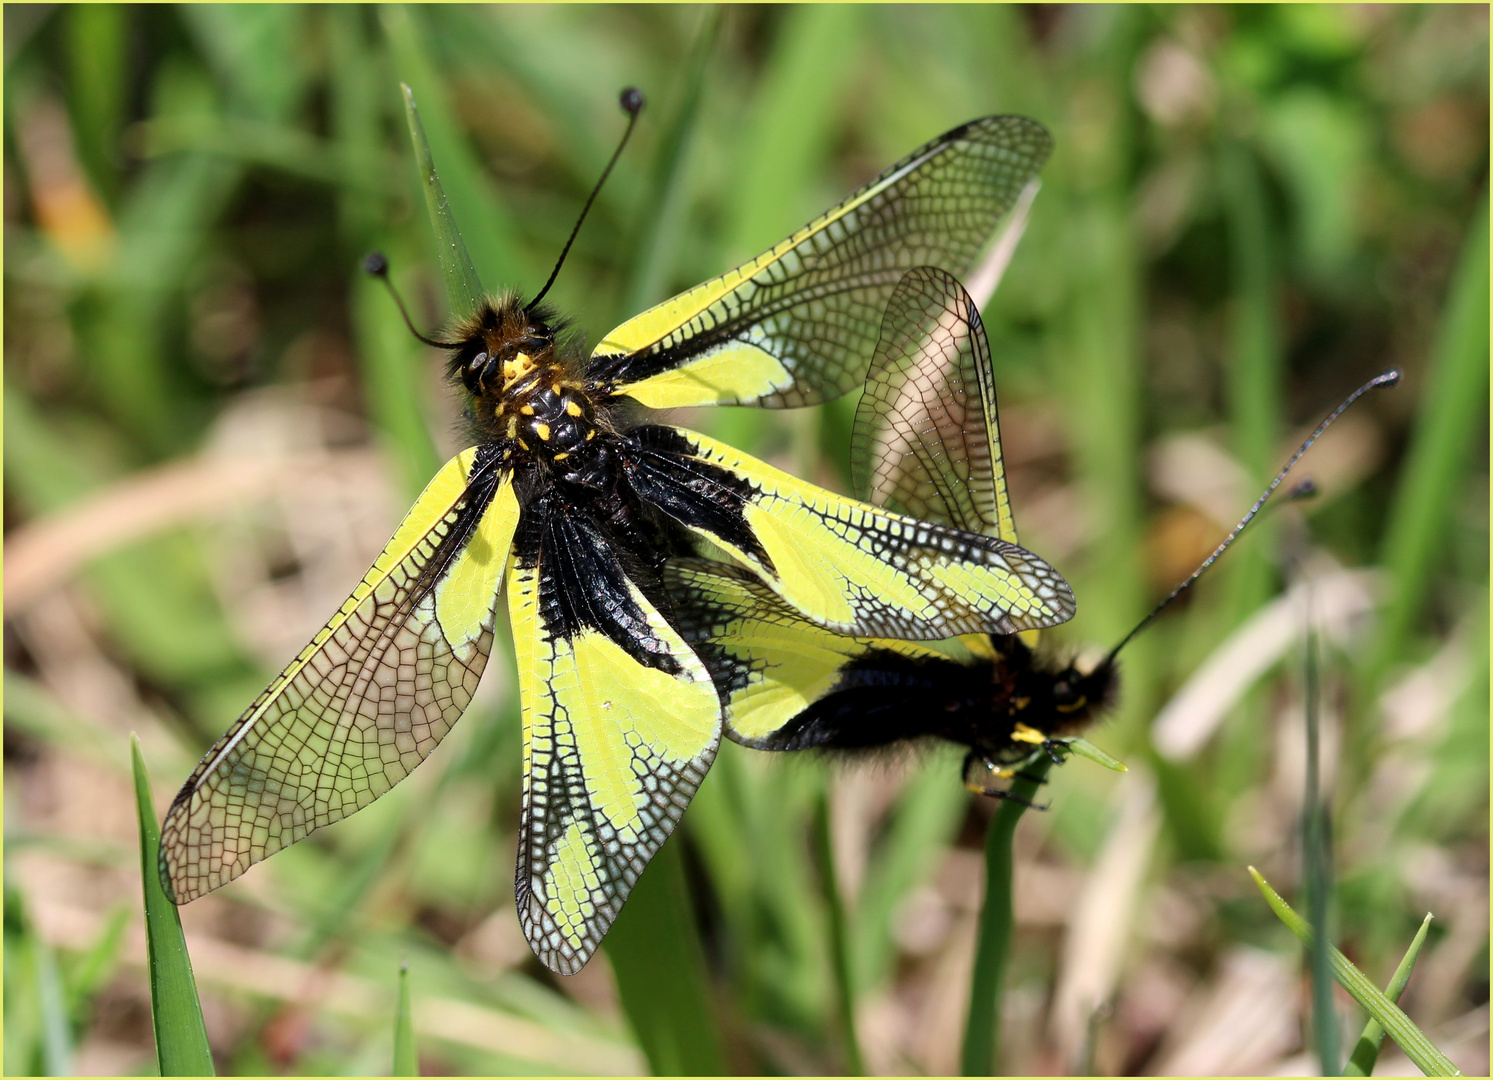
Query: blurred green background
{"x": 212, "y": 423}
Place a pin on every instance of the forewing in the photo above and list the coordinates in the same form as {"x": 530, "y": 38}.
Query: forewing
{"x": 926, "y": 441}
{"x": 798, "y": 324}
{"x": 364, "y": 703}
{"x": 620, "y": 722}
{"x": 844, "y": 564}
{"x": 769, "y": 662}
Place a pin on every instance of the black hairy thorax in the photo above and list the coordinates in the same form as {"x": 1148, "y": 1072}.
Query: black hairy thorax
{"x": 532, "y": 395}
{"x": 608, "y": 495}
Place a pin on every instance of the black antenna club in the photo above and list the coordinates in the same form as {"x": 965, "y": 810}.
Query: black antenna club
{"x": 376, "y": 264}
{"x": 1303, "y": 490}
{"x": 631, "y": 100}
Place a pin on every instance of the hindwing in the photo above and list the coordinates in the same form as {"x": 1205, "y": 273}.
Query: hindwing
{"x": 849, "y": 566}
{"x": 926, "y": 440}
{"x": 620, "y": 723}
{"x": 769, "y": 662}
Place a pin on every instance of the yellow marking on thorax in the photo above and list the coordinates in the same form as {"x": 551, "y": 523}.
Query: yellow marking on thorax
{"x": 573, "y": 409}
{"x": 517, "y": 368}
{"x": 543, "y": 431}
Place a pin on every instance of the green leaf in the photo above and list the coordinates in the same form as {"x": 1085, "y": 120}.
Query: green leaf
{"x": 1453, "y": 406}
{"x": 463, "y": 288}
{"x": 1085, "y": 749}
{"x": 1390, "y": 1016}
{"x": 1367, "y": 1050}
{"x": 406, "y": 1061}
{"x": 181, "y": 1036}
{"x": 659, "y": 965}
{"x": 838, "y": 945}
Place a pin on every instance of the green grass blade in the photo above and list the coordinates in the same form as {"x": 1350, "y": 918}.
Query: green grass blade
{"x": 922, "y": 824}
{"x": 838, "y": 945}
{"x": 56, "y": 1030}
{"x": 181, "y": 1036}
{"x": 1361, "y": 1063}
{"x": 96, "y": 967}
{"x": 1317, "y": 875}
{"x": 660, "y": 235}
{"x": 993, "y": 948}
{"x": 656, "y": 957}
{"x": 1085, "y": 749}
{"x": 1254, "y": 368}
{"x": 463, "y": 287}
{"x": 787, "y": 138}
{"x": 406, "y": 1062}
{"x": 1453, "y": 406}
{"x": 1390, "y": 1016}
{"x": 98, "y": 43}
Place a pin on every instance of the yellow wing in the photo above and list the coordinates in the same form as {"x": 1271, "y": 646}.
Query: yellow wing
{"x": 620, "y": 722}
{"x": 798, "y": 324}
{"x": 364, "y": 703}
{"x": 844, "y": 564}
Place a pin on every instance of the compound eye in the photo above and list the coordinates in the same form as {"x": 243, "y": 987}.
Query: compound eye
{"x": 472, "y": 376}
{"x": 1063, "y": 692}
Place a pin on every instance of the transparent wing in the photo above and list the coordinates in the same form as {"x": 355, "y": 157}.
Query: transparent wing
{"x": 798, "y": 324}
{"x": 364, "y": 703}
{"x": 620, "y": 722}
{"x": 926, "y": 441}
{"x": 846, "y": 565}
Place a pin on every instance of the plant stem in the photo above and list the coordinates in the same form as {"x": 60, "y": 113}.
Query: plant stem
{"x": 839, "y": 950}
{"x": 982, "y": 1028}
{"x": 1317, "y": 873}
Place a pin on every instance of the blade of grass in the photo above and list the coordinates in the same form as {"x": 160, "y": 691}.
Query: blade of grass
{"x": 394, "y": 366}
{"x": 922, "y": 825}
{"x": 662, "y": 220}
{"x": 95, "y": 967}
{"x": 22, "y": 1013}
{"x": 56, "y": 1030}
{"x": 1454, "y": 403}
{"x": 1390, "y": 1016}
{"x": 659, "y": 965}
{"x": 463, "y": 286}
{"x": 97, "y": 41}
{"x": 1317, "y": 873}
{"x": 181, "y": 1035}
{"x": 406, "y": 1063}
{"x": 488, "y": 222}
{"x": 1255, "y": 354}
{"x": 838, "y": 946}
{"x": 993, "y": 948}
{"x": 1361, "y": 1063}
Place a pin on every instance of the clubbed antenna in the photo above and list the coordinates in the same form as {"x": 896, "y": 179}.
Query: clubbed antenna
{"x": 376, "y": 264}
{"x": 1303, "y": 490}
{"x": 631, "y": 101}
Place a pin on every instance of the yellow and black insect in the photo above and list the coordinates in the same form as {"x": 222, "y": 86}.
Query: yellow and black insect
{"x": 926, "y": 443}
{"x": 574, "y": 502}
